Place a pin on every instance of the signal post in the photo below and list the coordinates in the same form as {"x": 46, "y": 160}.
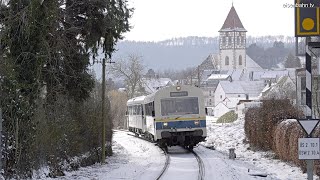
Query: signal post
{"x": 307, "y": 25}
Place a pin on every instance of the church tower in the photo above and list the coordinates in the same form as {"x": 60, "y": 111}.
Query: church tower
{"x": 232, "y": 43}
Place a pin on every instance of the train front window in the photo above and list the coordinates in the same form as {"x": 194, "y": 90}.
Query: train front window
{"x": 179, "y": 106}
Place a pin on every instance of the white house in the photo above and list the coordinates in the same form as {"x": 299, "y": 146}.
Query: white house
{"x": 151, "y": 85}
{"x": 220, "y": 109}
{"x": 229, "y": 90}
{"x": 244, "y": 105}
{"x": 285, "y": 87}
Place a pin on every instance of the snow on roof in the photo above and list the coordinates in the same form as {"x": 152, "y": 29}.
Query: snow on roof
{"x": 138, "y": 99}
{"x": 206, "y": 74}
{"x": 236, "y": 74}
{"x": 232, "y": 87}
{"x": 253, "y": 88}
{"x": 266, "y": 88}
{"x": 251, "y": 65}
{"x": 218, "y": 76}
{"x": 153, "y": 84}
{"x": 274, "y": 74}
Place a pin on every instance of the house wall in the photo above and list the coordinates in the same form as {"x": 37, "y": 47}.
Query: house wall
{"x": 220, "y": 110}
{"x": 242, "y": 108}
{"x": 238, "y": 96}
{"x": 209, "y": 96}
{"x": 219, "y": 95}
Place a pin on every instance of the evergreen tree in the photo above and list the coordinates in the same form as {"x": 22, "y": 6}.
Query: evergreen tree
{"x": 45, "y": 49}
{"x": 292, "y": 62}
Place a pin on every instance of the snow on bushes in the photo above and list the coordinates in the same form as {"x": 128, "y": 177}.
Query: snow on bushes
{"x": 260, "y": 123}
{"x": 274, "y": 127}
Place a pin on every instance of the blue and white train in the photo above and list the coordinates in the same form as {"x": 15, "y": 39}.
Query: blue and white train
{"x": 174, "y": 115}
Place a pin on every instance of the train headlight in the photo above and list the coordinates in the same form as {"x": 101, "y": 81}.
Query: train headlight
{"x": 196, "y": 123}
{"x": 165, "y": 124}
{"x": 178, "y": 88}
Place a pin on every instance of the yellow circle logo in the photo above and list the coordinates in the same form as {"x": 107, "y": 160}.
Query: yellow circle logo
{"x": 308, "y": 24}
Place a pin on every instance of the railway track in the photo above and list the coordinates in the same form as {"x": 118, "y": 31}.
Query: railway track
{"x": 201, "y": 171}
{"x": 201, "y": 167}
{"x": 166, "y": 165}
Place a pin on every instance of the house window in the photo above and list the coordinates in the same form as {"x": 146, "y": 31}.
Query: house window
{"x": 227, "y": 61}
{"x": 240, "y": 60}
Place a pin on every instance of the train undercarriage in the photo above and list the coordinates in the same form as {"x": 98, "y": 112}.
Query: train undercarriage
{"x": 186, "y": 139}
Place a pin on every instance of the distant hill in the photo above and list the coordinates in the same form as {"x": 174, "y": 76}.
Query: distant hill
{"x": 177, "y": 53}
{"x": 184, "y": 52}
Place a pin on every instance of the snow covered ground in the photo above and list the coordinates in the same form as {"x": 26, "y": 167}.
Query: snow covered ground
{"x": 133, "y": 159}
{"x": 231, "y": 135}
{"x": 137, "y": 159}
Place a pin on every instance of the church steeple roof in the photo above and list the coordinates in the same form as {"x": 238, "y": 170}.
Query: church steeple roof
{"x": 232, "y": 22}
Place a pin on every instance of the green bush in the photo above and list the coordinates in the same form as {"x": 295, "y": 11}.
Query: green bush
{"x": 228, "y": 117}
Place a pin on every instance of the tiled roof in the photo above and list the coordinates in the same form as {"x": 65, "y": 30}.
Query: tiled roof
{"x": 232, "y": 22}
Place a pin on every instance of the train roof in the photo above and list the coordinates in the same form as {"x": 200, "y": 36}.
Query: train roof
{"x": 136, "y": 100}
{"x": 150, "y": 97}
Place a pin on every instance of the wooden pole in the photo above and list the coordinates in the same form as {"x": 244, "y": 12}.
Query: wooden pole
{"x": 103, "y": 155}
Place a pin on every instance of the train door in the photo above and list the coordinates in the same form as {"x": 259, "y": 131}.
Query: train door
{"x": 143, "y": 110}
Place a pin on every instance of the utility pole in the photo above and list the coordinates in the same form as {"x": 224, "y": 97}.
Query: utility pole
{"x": 198, "y": 76}
{"x": 0, "y": 140}
{"x": 103, "y": 155}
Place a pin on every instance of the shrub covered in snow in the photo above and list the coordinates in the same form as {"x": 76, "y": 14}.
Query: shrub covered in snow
{"x": 274, "y": 127}
{"x": 228, "y": 117}
{"x": 260, "y": 123}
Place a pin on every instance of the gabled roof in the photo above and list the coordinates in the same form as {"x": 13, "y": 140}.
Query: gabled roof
{"x": 232, "y": 22}
{"x": 252, "y": 88}
{"x": 232, "y": 87}
{"x": 251, "y": 65}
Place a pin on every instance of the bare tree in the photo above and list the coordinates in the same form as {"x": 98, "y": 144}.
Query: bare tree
{"x": 118, "y": 108}
{"x": 131, "y": 70}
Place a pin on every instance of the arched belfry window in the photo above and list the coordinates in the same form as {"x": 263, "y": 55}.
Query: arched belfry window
{"x": 240, "y": 60}
{"x": 227, "y": 61}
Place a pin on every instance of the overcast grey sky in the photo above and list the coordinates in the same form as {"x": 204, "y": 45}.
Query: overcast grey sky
{"x": 155, "y": 20}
